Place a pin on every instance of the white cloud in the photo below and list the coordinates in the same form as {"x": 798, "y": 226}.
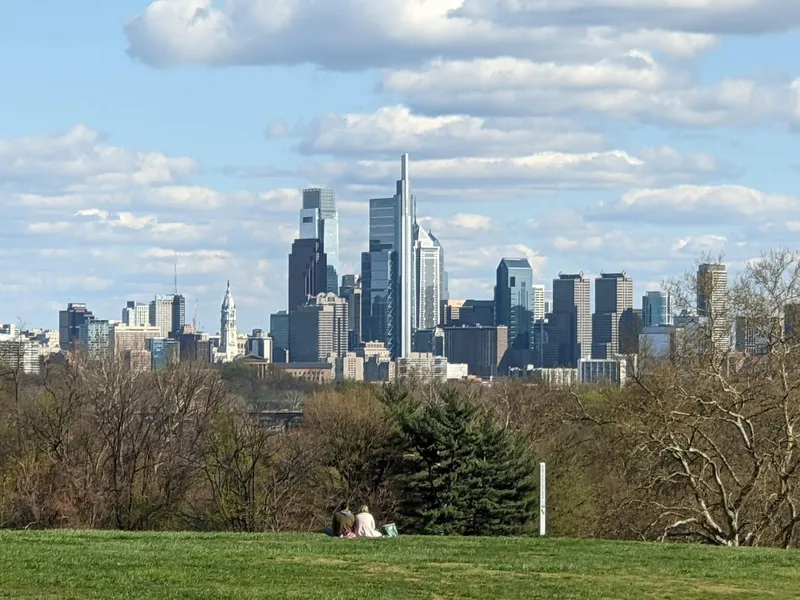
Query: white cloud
{"x": 348, "y": 34}
{"x": 693, "y": 204}
{"x": 393, "y": 130}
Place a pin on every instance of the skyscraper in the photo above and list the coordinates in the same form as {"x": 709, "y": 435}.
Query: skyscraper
{"x": 307, "y": 271}
{"x": 69, "y": 324}
{"x": 406, "y": 259}
{"x": 319, "y": 329}
{"x": 324, "y": 201}
{"x": 228, "y": 342}
{"x": 428, "y": 279}
{"x": 178, "y": 315}
{"x": 712, "y": 303}
{"x": 538, "y": 302}
{"x": 351, "y": 291}
{"x": 388, "y": 269}
{"x": 136, "y": 314}
{"x": 161, "y": 314}
{"x": 279, "y": 332}
{"x": 513, "y": 299}
{"x": 657, "y": 309}
{"x": 569, "y": 329}
{"x": 613, "y": 302}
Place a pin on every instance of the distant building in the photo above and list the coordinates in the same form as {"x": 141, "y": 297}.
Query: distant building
{"x": 161, "y": 314}
{"x": 456, "y": 372}
{"x": 164, "y": 352}
{"x": 539, "y": 303}
{"x": 196, "y": 347}
{"x": 569, "y": 327}
{"x": 613, "y": 299}
{"x": 308, "y": 271}
{"x": 319, "y": 329}
{"x": 94, "y": 337}
{"x": 598, "y": 371}
{"x": 323, "y": 200}
{"x": 69, "y": 324}
{"x": 279, "y": 332}
{"x": 316, "y": 372}
{"x": 482, "y": 348}
{"x": 259, "y": 344}
{"x": 228, "y": 337}
{"x": 138, "y": 361}
{"x": 19, "y": 353}
{"x": 424, "y": 366}
{"x": 349, "y": 367}
{"x": 428, "y": 280}
{"x": 378, "y": 364}
{"x": 712, "y": 303}
{"x": 123, "y": 338}
{"x": 559, "y": 377}
{"x": 514, "y": 303}
{"x": 136, "y": 314}
{"x": 429, "y": 340}
{"x": 657, "y": 309}
{"x": 351, "y": 291}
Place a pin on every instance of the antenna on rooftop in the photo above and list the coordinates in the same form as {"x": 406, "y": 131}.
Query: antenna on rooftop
{"x": 194, "y": 319}
{"x": 176, "y": 274}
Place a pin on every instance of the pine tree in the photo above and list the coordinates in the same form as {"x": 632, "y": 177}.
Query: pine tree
{"x": 461, "y": 473}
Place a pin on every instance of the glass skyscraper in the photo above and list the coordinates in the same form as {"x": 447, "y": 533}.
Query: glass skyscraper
{"x": 324, "y": 201}
{"x": 657, "y": 309}
{"x": 514, "y": 301}
{"x": 389, "y": 269}
{"x": 428, "y": 279}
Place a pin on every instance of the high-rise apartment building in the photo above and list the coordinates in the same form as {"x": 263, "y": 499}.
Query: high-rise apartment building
{"x": 351, "y": 291}
{"x": 613, "y": 302}
{"x": 712, "y": 303}
{"x": 94, "y": 337}
{"x": 307, "y": 271}
{"x": 228, "y": 337}
{"x": 569, "y": 328}
{"x": 513, "y": 299}
{"x": 428, "y": 279}
{"x": 657, "y": 309}
{"x": 136, "y": 314}
{"x": 69, "y": 324}
{"x": 324, "y": 201}
{"x": 318, "y": 330}
{"x": 279, "y": 332}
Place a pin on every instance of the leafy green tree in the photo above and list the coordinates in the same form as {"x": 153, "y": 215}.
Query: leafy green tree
{"x": 461, "y": 473}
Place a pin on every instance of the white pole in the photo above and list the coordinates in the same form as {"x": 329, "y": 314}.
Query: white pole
{"x": 542, "y": 500}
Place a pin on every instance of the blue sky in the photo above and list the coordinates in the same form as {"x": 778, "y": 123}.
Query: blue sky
{"x": 584, "y": 134}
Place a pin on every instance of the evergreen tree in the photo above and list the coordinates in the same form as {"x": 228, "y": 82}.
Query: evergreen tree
{"x": 461, "y": 473}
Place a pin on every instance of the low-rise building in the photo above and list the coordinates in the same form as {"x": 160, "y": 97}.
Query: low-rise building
{"x": 603, "y": 370}
{"x": 320, "y": 373}
{"x": 349, "y": 367}
{"x": 556, "y": 377}
{"x": 422, "y": 365}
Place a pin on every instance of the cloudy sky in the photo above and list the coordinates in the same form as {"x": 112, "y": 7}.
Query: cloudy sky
{"x": 584, "y": 134}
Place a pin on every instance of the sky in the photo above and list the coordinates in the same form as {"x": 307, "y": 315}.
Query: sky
{"x": 585, "y": 135}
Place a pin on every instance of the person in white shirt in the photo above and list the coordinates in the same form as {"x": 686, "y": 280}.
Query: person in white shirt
{"x": 365, "y": 524}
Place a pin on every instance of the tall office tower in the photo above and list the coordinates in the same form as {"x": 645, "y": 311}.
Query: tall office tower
{"x": 569, "y": 329}
{"x": 94, "y": 337}
{"x": 324, "y": 201}
{"x": 388, "y": 269}
{"x": 613, "y": 315}
{"x": 712, "y": 303}
{"x": 69, "y": 324}
{"x": 319, "y": 329}
{"x": 161, "y": 314}
{"x": 136, "y": 314}
{"x": 482, "y": 348}
{"x": 259, "y": 344}
{"x": 307, "y": 271}
{"x": 228, "y": 342}
{"x": 406, "y": 258}
{"x": 178, "y": 315}
{"x": 428, "y": 279}
{"x": 538, "y": 302}
{"x": 279, "y": 332}
{"x": 657, "y": 309}
{"x": 513, "y": 300}
{"x": 351, "y": 291}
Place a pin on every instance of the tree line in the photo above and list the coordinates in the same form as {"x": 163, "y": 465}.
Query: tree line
{"x": 701, "y": 445}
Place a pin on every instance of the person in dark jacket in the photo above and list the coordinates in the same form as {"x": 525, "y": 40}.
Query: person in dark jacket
{"x": 343, "y": 522}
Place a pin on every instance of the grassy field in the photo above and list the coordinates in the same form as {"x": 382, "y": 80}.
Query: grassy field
{"x": 159, "y": 566}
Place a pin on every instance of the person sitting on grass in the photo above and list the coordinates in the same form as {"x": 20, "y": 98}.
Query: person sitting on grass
{"x": 343, "y": 522}
{"x": 365, "y": 524}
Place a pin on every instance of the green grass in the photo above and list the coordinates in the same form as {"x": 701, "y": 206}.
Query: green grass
{"x": 158, "y": 566}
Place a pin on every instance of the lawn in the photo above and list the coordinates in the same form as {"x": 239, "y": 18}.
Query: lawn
{"x": 156, "y": 566}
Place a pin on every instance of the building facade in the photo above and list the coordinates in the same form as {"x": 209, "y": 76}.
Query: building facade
{"x": 324, "y": 201}
{"x": 712, "y": 304}
{"x": 657, "y": 309}
{"x": 482, "y": 348}
{"x": 351, "y": 291}
{"x": 613, "y": 300}
{"x": 228, "y": 337}
{"x": 428, "y": 279}
{"x": 514, "y": 304}
{"x": 69, "y": 324}
{"x": 569, "y": 329}
{"x": 308, "y": 271}
{"x": 279, "y": 332}
{"x": 319, "y": 329}
{"x": 136, "y": 314}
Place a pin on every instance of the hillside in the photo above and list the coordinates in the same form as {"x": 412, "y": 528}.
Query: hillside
{"x": 176, "y": 565}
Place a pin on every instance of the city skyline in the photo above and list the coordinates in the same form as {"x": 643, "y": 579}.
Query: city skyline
{"x": 137, "y": 138}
